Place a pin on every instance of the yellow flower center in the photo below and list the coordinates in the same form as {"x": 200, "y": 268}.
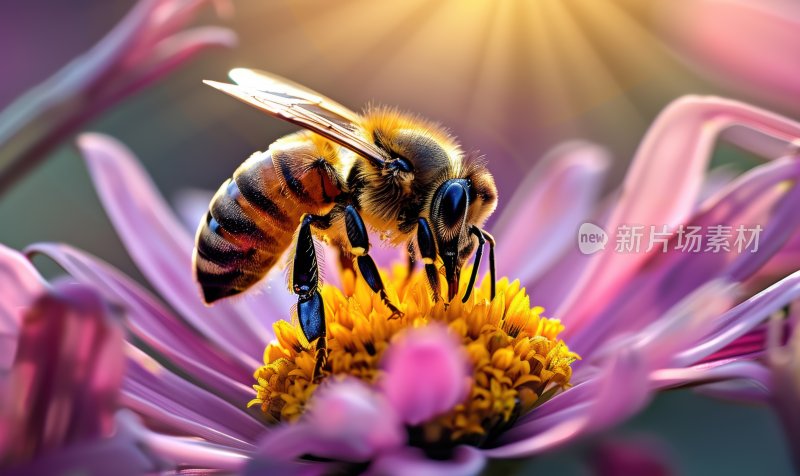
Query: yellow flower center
{"x": 517, "y": 360}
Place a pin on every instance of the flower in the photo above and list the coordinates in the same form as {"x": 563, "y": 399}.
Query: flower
{"x": 60, "y": 373}
{"x": 148, "y": 43}
{"x": 641, "y": 322}
{"x": 515, "y": 357}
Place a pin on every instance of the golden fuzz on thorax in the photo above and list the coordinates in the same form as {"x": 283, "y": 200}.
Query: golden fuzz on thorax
{"x": 387, "y": 121}
{"x": 517, "y": 359}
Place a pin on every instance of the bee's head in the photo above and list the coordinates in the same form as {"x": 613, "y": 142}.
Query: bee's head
{"x": 458, "y": 205}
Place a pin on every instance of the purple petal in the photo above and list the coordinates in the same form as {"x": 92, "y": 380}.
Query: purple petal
{"x": 749, "y": 346}
{"x": 737, "y": 391}
{"x": 671, "y": 161}
{"x": 115, "y": 67}
{"x": 157, "y": 327}
{"x": 741, "y": 319}
{"x": 162, "y": 248}
{"x": 681, "y": 326}
{"x": 542, "y": 218}
{"x": 179, "y": 452}
{"x": 66, "y": 376}
{"x": 121, "y": 454}
{"x": 170, "y": 402}
{"x": 752, "y": 372}
{"x": 20, "y": 284}
{"x": 346, "y": 421}
{"x": 427, "y": 373}
{"x": 466, "y": 461}
{"x": 606, "y": 405}
{"x": 753, "y": 46}
{"x": 79, "y": 75}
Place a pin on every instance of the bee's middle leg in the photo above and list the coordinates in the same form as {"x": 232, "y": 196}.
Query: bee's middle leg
{"x": 305, "y": 284}
{"x": 359, "y": 247}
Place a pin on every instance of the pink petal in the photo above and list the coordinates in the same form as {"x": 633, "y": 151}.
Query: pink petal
{"x": 605, "y": 406}
{"x": 670, "y": 162}
{"x": 466, "y": 461}
{"x": 165, "y": 57}
{"x": 669, "y": 277}
{"x": 20, "y": 284}
{"x": 346, "y": 421}
{"x": 163, "y": 18}
{"x": 541, "y": 220}
{"x": 172, "y": 403}
{"x": 156, "y": 326}
{"x": 555, "y": 283}
{"x": 162, "y": 248}
{"x": 427, "y": 373}
{"x": 66, "y": 376}
{"x": 752, "y": 46}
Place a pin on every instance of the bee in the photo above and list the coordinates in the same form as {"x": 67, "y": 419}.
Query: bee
{"x": 345, "y": 173}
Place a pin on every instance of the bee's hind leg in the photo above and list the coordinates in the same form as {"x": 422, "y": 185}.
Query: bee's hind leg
{"x": 359, "y": 247}
{"x": 305, "y": 283}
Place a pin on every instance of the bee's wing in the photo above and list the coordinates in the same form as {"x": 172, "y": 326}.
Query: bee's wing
{"x": 299, "y": 105}
{"x": 274, "y": 84}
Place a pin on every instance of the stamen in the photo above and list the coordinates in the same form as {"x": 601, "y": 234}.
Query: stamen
{"x": 517, "y": 360}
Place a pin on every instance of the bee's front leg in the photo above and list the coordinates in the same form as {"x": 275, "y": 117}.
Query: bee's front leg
{"x": 483, "y": 238}
{"x": 359, "y": 247}
{"x": 427, "y": 249}
{"x": 474, "y": 230}
{"x": 305, "y": 283}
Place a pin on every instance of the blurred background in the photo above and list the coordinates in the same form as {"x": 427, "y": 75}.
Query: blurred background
{"x": 510, "y": 78}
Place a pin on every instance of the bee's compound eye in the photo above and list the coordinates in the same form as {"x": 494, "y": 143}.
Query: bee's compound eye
{"x": 453, "y": 205}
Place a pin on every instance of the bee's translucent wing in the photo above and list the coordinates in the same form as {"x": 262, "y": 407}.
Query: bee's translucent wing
{"x": 274, "y": 84}
{"x": 299, "y": 105}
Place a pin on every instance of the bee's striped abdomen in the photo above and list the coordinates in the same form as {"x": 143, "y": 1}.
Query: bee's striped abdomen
{"x": 253, "y": 216}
